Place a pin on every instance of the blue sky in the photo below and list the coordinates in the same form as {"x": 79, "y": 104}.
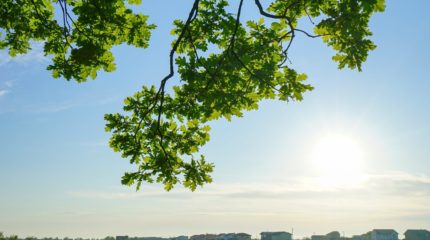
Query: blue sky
{"x": 58, "y": 177}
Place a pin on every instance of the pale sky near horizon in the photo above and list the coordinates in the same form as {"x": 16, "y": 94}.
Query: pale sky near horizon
{"x": 59, "y": 178}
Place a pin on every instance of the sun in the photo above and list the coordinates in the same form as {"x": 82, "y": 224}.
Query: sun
{"x": 338, "y": 161}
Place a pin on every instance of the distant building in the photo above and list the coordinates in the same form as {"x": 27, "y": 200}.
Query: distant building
{"x": 417, "y": 234}
{"x": 384, "y": 234}
{"x": 243, "y": 236}
{"x": 276, "y": 236}
{"x": 335, "y": 235}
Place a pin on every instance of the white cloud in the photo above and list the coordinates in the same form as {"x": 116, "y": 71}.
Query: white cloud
{"x": 6, "y": 87}
{"x": 3, "y": 92}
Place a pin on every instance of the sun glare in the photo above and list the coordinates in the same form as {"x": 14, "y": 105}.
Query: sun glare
{"x": 337, "y": 161}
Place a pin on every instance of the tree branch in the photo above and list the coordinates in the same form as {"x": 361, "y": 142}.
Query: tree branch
{"x": 161, "y": 91}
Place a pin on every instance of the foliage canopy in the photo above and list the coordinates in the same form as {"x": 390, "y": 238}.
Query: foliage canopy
{"x": 162, "y": 133}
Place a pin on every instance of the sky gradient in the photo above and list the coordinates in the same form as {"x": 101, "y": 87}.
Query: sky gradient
{"x": 58, "y": 177}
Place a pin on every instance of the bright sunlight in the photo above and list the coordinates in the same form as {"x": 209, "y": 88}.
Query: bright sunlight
{"x": 338, "y": 161}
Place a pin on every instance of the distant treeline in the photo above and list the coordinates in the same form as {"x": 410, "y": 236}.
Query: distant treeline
{"x": 15, "y": 237}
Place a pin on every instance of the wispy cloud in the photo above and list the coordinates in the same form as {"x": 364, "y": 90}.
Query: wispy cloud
{"x": 390, "y": 183}
{"x": 276, "y": 205}
{"x": 3, "y": 92}
{"x": 5, "y": 87}
{"x": 36, "y": 54}
{"x": 399, "y": 176}
{"x": 392, "y": 199}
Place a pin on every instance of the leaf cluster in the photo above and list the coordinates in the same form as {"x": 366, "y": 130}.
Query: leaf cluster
{"x": 248, "y": 66}
{"x": 79, "y": 39}
{"x": 226, "y": 66}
